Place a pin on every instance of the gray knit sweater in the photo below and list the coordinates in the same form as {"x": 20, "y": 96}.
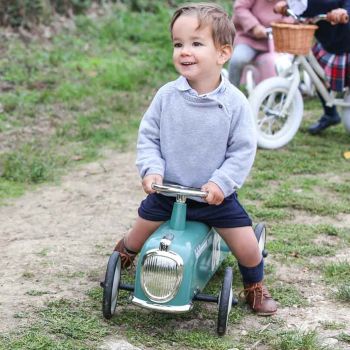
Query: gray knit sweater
{"x": 190, "y": 139}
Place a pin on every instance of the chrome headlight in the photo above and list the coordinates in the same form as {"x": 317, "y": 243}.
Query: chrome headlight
{"x": 161, "y": 275}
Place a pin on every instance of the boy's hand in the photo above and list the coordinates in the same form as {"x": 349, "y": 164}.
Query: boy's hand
{"x": 259, "y": 32}
{"x": 215, "y": 195}
{"x": 337, "y": 16}
{"x": 148, "y": 180}
{"x": 281, "y": 7}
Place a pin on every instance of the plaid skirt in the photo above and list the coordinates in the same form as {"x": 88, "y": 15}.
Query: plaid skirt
{"x": 336, "y": 67}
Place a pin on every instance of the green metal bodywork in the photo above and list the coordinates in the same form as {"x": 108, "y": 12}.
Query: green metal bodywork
{"x": 200, "y": 247}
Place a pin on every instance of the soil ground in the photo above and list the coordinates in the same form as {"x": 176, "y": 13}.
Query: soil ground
{"x": 55, "y": 243}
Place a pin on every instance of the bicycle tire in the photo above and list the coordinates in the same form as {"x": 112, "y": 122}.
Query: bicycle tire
{"x": 267, "y": 100}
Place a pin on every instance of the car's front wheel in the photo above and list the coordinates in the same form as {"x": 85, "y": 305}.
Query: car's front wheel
{"x": 111, "y": 285}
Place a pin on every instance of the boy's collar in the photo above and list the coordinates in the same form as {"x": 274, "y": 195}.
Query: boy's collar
{"x": 183, "y": 85}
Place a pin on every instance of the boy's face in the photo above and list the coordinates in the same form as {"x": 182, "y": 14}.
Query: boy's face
{"x": 195, "y": 55}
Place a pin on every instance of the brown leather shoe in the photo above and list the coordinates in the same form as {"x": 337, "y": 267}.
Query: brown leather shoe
{"x": 259, "y": 299}
{"x": 126, "y": 256}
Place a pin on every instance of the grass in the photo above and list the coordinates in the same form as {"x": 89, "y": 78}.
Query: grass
{"x": 61, "y": 325}
{"x": 288, "y": 295}
{"x": 85, "y": 91}
{"x": 338, "y": 274}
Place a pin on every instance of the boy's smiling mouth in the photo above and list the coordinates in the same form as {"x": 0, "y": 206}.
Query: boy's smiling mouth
{"x": 187, "y": 63}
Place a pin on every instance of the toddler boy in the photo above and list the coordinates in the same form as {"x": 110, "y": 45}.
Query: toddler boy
{"x": 199, "y": 132}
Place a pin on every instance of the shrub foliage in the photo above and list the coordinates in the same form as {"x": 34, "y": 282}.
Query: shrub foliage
{"x": 16, "y": 13}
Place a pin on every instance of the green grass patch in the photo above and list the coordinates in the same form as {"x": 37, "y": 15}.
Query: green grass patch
{"x": 296, "y": 340}
{"x": 32, "y": 163}
{"x": 343, "y": 293}
{"x": 61, "y": 325}
{"x": 288, "y": 295}
{"x": 289, "y": 196}
{"x": 10, "y": 189}
{"x": 297, "y": 242}
{"x": 337, "y": 272}
{"x": 276, "y": 339}
{"x": 267, "y": 214}
{"x": 345, "y": 337}
{"x": 158, "y": 331}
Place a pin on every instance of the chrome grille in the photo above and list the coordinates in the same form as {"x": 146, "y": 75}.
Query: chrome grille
{"x": 161, "y": 275}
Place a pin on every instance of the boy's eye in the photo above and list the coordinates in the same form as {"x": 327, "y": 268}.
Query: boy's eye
{"x": 196, "y": 43}
{"x": 177, "y": 45}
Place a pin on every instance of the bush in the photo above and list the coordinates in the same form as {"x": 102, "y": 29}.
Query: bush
{"x": 16, "y": 13}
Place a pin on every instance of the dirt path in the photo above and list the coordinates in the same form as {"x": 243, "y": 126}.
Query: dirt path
{"x": 54, "y": 241}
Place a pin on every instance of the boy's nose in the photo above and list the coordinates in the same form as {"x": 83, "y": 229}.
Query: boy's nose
{"x": 185, "y": 51}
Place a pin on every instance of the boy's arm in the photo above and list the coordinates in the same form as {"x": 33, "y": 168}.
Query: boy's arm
{"x": 149, "y": 158}
{"x": 240, "y": 153}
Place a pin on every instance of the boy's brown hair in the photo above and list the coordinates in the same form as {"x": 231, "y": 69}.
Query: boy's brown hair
{"x": 223, "y": 30}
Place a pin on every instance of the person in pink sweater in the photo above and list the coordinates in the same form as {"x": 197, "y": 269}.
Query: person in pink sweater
{"x": 251, "y": 18}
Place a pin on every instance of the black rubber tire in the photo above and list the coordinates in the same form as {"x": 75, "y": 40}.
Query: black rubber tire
{"x": 225, "y": 302}
{"x": 260, "y": 234}
{"x": 110, "y": 285}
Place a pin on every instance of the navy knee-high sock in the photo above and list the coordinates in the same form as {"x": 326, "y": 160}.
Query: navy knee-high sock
{"x": 252, "y": 274}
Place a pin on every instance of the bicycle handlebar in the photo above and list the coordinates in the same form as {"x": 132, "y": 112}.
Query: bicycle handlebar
{"x": 333, "y": 17}
{"x": 342, "y": 19}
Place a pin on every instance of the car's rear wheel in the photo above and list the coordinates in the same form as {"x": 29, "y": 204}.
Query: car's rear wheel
{"x": 260, "y": 234}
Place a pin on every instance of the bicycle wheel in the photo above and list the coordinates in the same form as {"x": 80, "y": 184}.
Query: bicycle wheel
{"x": 267, "y": 100}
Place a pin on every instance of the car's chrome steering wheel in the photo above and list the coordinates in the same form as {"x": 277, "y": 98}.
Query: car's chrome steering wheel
{"x": 181, "y": 192}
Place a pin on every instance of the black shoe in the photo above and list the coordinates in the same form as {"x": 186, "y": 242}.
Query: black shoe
{"x": 324, "y": 123}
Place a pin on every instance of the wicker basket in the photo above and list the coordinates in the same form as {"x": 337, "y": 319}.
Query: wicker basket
{"x": 293, "y": 38}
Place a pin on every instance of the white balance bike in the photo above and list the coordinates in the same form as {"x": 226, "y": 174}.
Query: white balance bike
{"x": 277, "y": 102}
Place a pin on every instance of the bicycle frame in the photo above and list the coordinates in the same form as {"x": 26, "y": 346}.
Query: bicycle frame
{"x": 317, "y": 76}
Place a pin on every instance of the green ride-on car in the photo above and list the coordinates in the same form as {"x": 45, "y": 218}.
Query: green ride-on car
{"x": 175, "y": 264}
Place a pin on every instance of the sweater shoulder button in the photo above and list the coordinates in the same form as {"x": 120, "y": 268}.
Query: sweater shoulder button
{"x": 220, "y": 105}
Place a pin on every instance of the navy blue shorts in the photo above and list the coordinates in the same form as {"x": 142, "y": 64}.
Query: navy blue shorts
{"x": 229, "y": 213}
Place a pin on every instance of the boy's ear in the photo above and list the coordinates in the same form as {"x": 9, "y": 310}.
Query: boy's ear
{"x": 225, "y": 53}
